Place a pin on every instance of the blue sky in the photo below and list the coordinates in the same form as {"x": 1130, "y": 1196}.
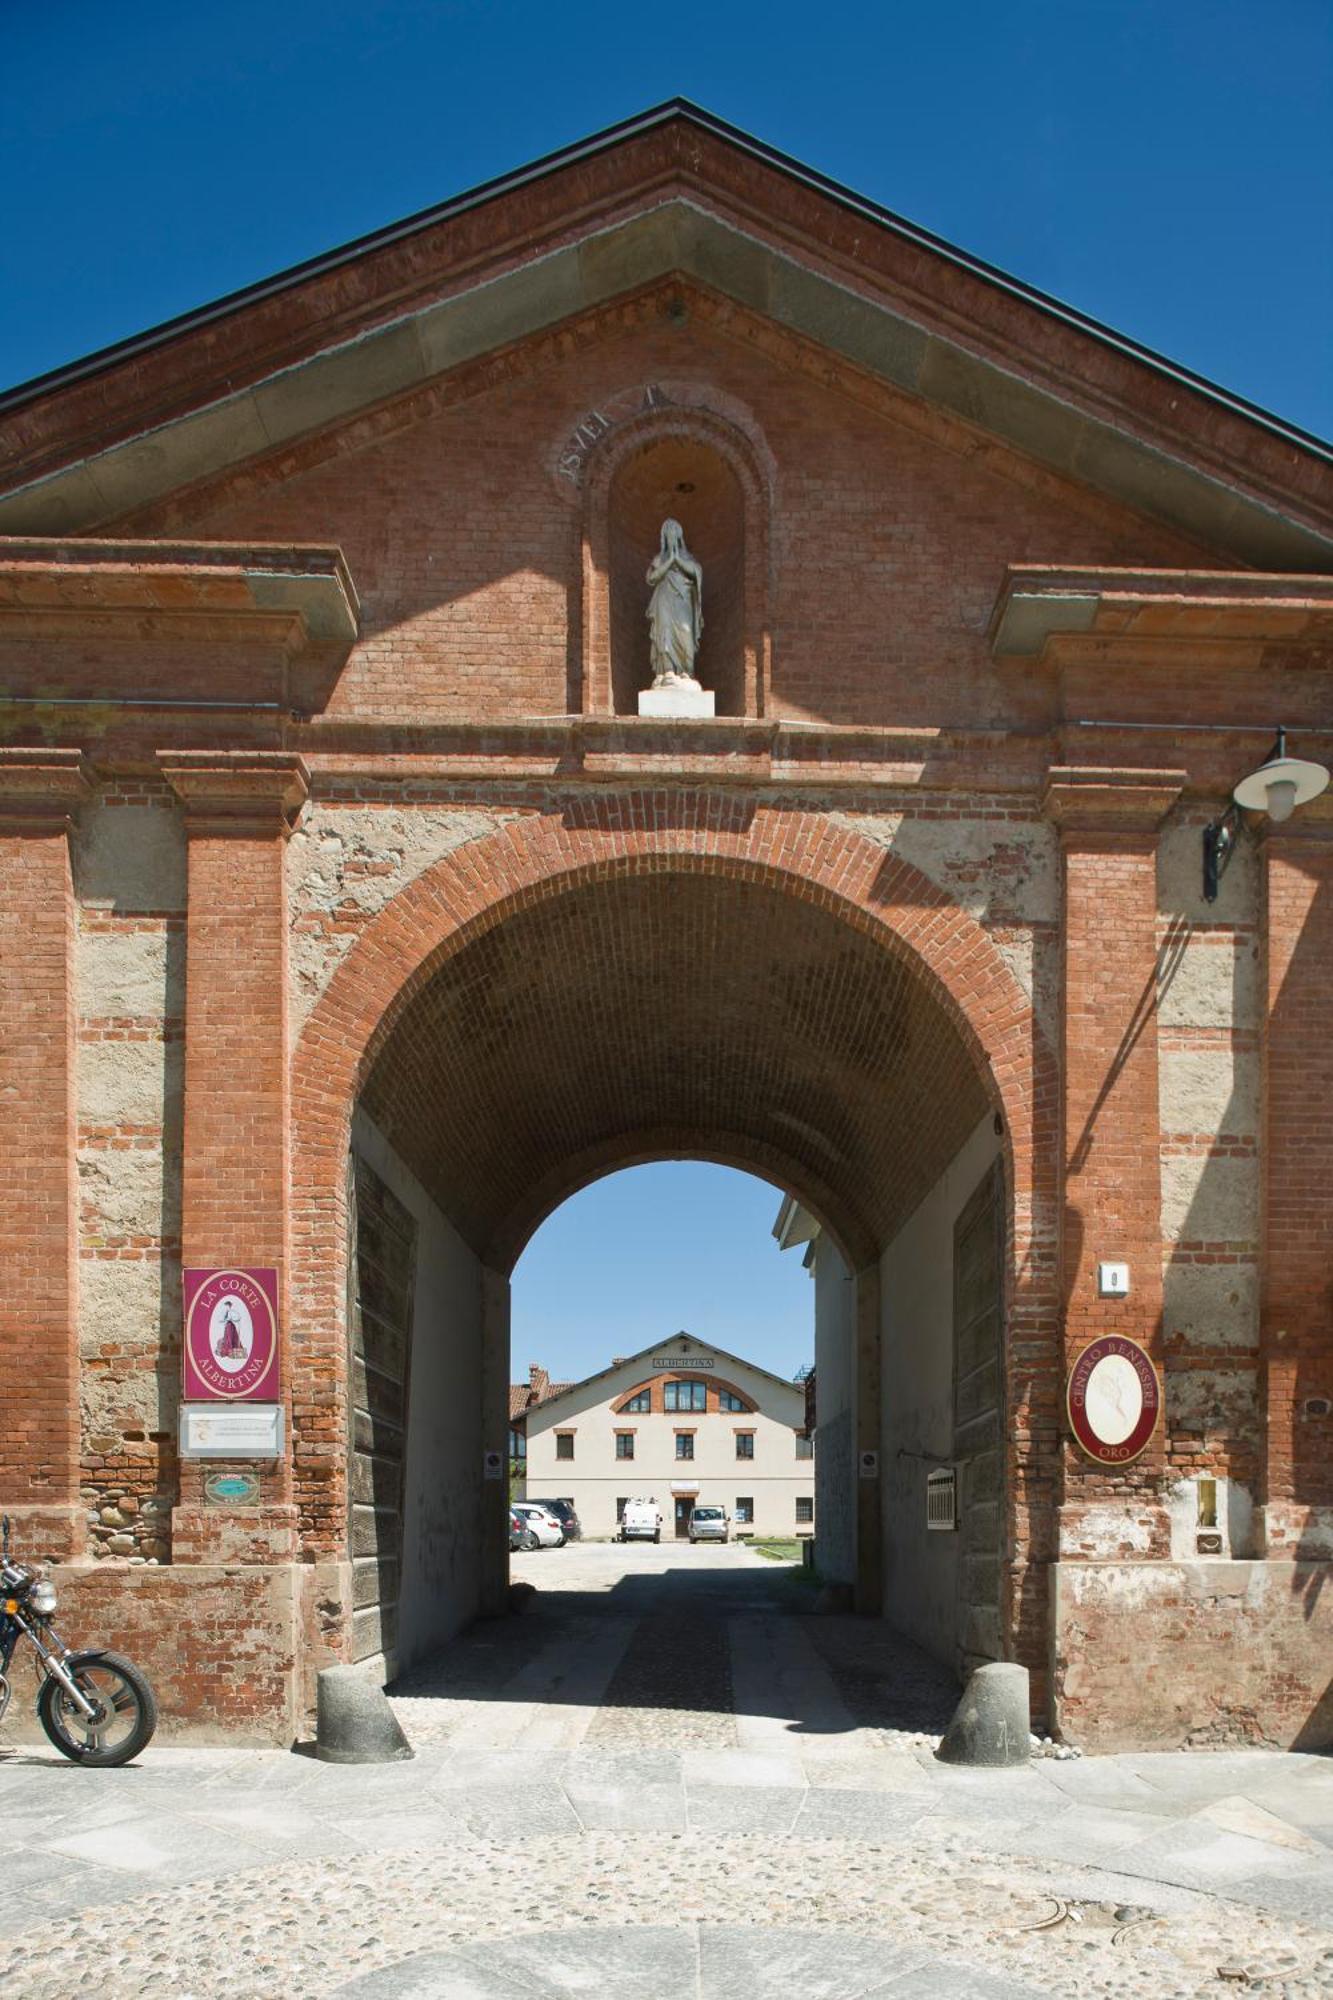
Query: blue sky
{"x": 677, "y": 1246}
{"x": 1164, "y": 165}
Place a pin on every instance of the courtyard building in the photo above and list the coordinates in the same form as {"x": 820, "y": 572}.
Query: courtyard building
{"x": 661, "y": 658}
{"x": 683, "y": 1423}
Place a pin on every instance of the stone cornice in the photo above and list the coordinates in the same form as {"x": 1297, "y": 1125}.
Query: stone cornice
{"x": 244, "y": 792}
{"x": 41, "y": 790}
{"x": 1089, "y": 800}
{"x": 1041, "y": 613}
{"x": 168, "y": 592}
{"x": 1005, "y": 388}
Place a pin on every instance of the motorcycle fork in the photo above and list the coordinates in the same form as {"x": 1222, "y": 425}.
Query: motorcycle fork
{"x": 53, "y": 1658}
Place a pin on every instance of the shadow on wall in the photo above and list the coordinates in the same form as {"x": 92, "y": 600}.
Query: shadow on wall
{"x": 1209, "y": 1096}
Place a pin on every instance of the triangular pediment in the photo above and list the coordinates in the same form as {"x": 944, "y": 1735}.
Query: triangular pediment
{"x": 675, "y": 194}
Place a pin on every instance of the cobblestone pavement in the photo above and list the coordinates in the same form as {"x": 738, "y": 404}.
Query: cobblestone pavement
{"x": 664, "y": 1781}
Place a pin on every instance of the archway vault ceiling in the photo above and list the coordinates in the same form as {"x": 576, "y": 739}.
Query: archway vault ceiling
{"x": 678, "y": 1014}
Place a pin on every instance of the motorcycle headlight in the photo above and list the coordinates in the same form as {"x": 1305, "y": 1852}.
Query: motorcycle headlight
{"x": 42, "y": 1598}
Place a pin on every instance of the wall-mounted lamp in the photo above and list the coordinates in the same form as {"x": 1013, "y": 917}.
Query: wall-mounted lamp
{"x": 1280, "y": 784}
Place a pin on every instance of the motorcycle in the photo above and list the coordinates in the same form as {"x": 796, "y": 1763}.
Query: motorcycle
{"x": 96, "y": 1708}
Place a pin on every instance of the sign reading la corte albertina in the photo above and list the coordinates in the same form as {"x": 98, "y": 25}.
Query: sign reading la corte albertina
{"x": 231, "y": 1336}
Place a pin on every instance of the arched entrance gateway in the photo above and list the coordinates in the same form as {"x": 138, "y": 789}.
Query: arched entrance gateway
{"x": 626, "y": 981}
{"x": 360, "y": 901}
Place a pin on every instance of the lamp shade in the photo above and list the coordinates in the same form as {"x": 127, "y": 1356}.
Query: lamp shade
{"x": 1280, "y": 785}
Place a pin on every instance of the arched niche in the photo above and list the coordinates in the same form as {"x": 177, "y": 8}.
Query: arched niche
{"x": 695, "y": 469}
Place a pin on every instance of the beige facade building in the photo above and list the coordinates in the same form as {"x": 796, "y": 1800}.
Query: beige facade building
{"x": 682, "y": 1423}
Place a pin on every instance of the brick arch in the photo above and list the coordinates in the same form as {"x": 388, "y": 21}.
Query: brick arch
{"x": 477, "y": 888}
{"x": 787, "y": 1172}
{"x": 686, "y": 1374}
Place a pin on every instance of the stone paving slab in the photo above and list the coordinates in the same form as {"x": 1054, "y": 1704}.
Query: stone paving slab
{"x": 798, "y": 1819}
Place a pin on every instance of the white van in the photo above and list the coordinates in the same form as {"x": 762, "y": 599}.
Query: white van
{"x": 641, "y": 1521}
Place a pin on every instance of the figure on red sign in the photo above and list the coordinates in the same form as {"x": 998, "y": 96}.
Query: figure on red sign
{"x": 230, "y": 1346}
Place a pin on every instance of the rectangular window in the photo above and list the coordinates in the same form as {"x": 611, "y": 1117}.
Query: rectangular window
{"x": 805, "y": 1508}
{"x": 686, "y": 1396}
{"x": 638, "y": 1405}
{"x": 745, "y": 1444}
{"x": 624, "y": 1444}
{"x": 684, "y": 1444}
{"x": 518, "y": 1444}
{"x": 564, "y": 1444}
{"x": 622, "y": 1502}
{"x": 805, "y": 1447}
{"x": 726, "y": 1401}
{"x": 744, "y": 1511}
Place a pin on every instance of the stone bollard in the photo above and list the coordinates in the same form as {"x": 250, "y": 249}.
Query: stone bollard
{"x": 990, "y": 1724}
{"x": 354, "y": 1721}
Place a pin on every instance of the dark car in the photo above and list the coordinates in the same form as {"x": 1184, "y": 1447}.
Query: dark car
{"x": 564, "y": 1513}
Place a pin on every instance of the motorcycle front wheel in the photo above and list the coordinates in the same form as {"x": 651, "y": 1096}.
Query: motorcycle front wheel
{"x": 124, "y": 1711}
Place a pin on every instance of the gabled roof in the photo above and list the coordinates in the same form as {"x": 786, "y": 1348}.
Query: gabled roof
{"x": 661, "y": 1347}
{"x": 675, "y": 192}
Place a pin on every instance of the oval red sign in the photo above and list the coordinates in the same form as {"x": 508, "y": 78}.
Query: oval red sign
{"x": 1114, "y": 1400}
{"x": 231, "y": 1335}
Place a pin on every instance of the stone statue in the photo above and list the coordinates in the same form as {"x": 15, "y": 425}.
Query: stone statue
{"x": 675, "y": 610}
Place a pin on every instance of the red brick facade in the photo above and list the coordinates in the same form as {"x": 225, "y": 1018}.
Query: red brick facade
{"x": 322, "y": 787}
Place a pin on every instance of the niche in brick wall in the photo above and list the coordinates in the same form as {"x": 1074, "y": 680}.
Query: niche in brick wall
{"x": 687, "y": 479}
{"x": 697, "y": 467}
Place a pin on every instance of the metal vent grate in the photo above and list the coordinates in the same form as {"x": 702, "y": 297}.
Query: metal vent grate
{"x": 942, "y": 1497}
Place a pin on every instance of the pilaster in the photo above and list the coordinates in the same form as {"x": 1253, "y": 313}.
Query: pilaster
{"x": 40, "y": 792}
{"x": 239, "y": 810}
{"x": 1111, "y": 1205}
{"x": 1296, "y": 1308}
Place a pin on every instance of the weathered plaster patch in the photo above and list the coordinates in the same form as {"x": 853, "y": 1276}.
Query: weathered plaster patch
{"x": 1005, "y": 874}
{"x": 1212, "y": 981}
{"x": 1210, "y": 1090}
{"x": 127, "y": 1302}
{"x": 1211, "y": 1305}
{"x": 131, "y": 973}
{"x": 1210, "y": 1200}
{"x": 129, "y": 857}
{"x": 130, "y": 1083}
{"x": 114, "y": 1401}
{"x": 1107, "y": 1532}
{"x": 999, "y": 871}
{"x": 345, "y": 864}
{"x": 1222, "y": 1401}
{"x": 126, "y": 1194}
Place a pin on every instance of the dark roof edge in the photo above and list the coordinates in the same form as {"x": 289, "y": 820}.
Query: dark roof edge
{"x": 657, "y": 1347}
{"x": 598, "y": 142}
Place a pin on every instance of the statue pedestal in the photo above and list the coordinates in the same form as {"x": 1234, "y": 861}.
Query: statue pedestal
{"x": 673, "y": 703}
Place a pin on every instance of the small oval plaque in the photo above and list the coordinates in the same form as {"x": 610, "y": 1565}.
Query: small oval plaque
{"x": 231, "y": 1489}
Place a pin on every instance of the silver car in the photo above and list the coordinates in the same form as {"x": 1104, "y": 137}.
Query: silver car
{"x": 710, "y": 1524}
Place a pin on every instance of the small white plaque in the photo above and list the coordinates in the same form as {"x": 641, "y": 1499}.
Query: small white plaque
{"x": 216, "y": 1430}
{"x": 492, "y": 1465}
{"x": 868, "y": 1465}
{"x": 672, "y": 703}
{"x": 1113, "y": 1281}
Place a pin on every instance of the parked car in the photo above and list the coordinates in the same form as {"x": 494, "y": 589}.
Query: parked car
{"x": 710, "y": 1524}
{"x": 549, "y": 1532}
{"x": 641, "y": 1521}
{"x": 564, "y": 1513}
{"x": 521, "y": 1536}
